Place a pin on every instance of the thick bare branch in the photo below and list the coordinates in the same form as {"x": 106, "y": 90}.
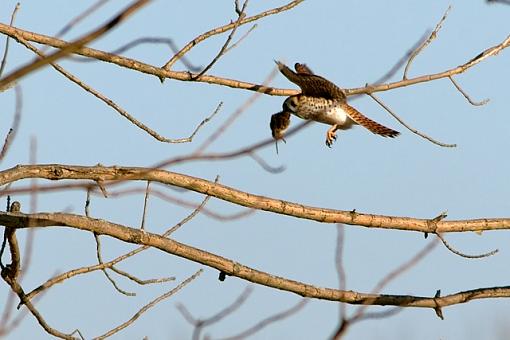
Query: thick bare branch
{"x": 233, "y": 268}
{"x": 117, "y": 173}
{"x": 188, "y": 76}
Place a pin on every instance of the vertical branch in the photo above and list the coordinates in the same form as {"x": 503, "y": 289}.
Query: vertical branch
{"x": 144, "y": 214}
{"x": 6, "y": 50}
{"x": 15, "y": 124}
{"x": 342, "y": 280}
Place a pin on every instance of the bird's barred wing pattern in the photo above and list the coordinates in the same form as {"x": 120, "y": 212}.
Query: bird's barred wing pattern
{"x": 368, "y": 123}
{"x": 312, "y": 85}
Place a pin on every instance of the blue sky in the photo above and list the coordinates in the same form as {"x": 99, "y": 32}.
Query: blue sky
{"x": 348, "y": 42}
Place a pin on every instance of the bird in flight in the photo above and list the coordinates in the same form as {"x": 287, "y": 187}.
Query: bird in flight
{"x": 322, "y": 101}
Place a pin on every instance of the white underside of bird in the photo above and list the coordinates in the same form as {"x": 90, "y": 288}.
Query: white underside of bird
{"x": 324, "y": 111}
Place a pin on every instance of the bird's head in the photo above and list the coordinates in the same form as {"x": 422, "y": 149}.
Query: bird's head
{"x": 290, "y": 104}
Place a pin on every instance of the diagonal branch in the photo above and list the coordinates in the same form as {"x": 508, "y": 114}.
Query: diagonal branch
{"x": 71, "y": 47}
{"x": 120, "y": 174}
{"x": 226, "y": 28}
{"x": 232, "y": 268}
{"x": 188, "y": 76}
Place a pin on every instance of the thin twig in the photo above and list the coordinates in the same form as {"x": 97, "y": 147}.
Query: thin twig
{"x": 489, "y": 52}
{"x": 394, "y": 69}
{"x": 6, "y": 50}
{"x": 15, "y": 124}
{"x": 200, "y": 324}
{"x": 424, "y": 45}
{"x": 472, "y": 102}
{"x": 264, "y": 165}
{"x": 81, "y": 17}
{"x": 223, "y": 49}
{"x": 233, "y": 117}
{"x": 105, "y": 272}
{"x": 244, "y": 36}
{"x": 145, "y": 200}
{"x": 339, "y": 265}
{"x": 30, "y": 237}
{"x": 407, "y": 126}
{"x": 503, "y": 2}
{"x": 192, "y": 215}
{"x": 84, "y": 270}
{"x": 149, "y": 306}
{"x": 360, "y": 313}
{"x": 225, "y": 28}
{"x": 71, "y": 47}
{"x": 140, "y": 281}
{"x": 456, "y": 252}
{"x": 15, "y": 286}
{"x": 114, "y": 105}
{"x": 267, "y": 321}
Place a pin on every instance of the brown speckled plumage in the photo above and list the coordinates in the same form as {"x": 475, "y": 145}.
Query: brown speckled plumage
{"x": 322, "y": 101}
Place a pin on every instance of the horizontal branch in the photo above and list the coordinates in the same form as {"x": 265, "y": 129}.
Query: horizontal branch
{"x": 232, "y": 268}
{"x": 116, "y": 173}
{"x": 140, "y": 66}
{"x": 189, "y": 76}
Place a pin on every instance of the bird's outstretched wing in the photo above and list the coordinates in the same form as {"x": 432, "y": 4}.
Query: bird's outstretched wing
{"x": 368, "y": 123}
{"x": 311, "y": 85}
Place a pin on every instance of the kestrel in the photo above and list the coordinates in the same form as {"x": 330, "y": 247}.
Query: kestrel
{"x": 322, "y": 101}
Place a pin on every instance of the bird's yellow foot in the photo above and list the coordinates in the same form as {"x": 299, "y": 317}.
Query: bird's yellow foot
{"x": 331, "y": 136}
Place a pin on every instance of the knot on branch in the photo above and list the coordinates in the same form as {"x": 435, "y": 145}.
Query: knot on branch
{"x": 56, "y": 173}
{"x": 437, "y": 309}
{"x": 432, "y": 224}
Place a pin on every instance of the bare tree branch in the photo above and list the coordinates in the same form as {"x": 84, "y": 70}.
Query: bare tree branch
{"x": 468, "y": 98}
{"x": 114, "y": 105}
{"x": 188, "y": 76}
{"x": 117, "y": 173}
{"x": 71, "y": 47}
{"x": 407, "y": 126}
{"x": 6, "y": 49}
{"x": 149, "y": 306}
{"x": 223, "y": 50}
{"x": 226, "y": 28}
{"x": 15, "y": 124}
{"x": 233, "y": 268}
{"x": 200, "y": 324}
{"x": 461, "y": 254}
{"x": 432, "y": 36}
{"x": 267, "y": 321}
